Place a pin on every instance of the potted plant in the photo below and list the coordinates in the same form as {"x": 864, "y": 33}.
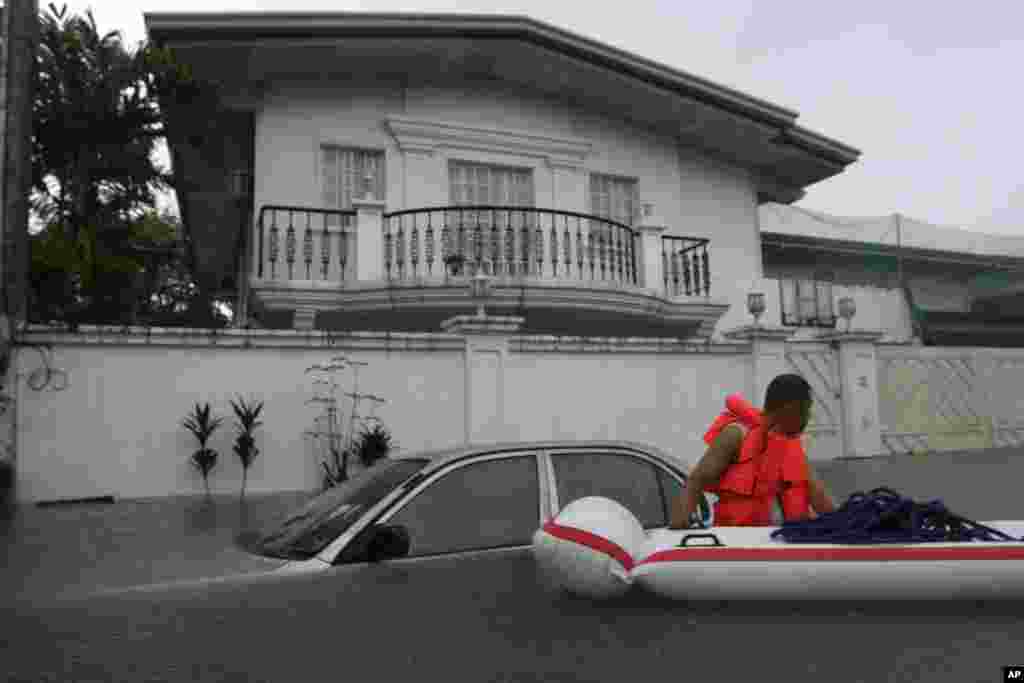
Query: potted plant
{"x": 202, "y": 424}
{"x": 245, "y": 445}
{"x": 454, "y": 262}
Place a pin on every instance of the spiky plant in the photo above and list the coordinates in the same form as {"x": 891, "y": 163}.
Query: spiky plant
{"x": 245, "y": 445}
{"x": 336, "y": 472}
{"x": 202, "y": 424}
{"x": 374, "y": 444}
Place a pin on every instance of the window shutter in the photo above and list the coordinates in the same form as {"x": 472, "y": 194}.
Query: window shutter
{"x": 343, "y": 173}
{"x": 825, "y": 314}
{"x": 790, "y": 309}
{"x": 807, "y": 301}
{"x": 490, "y": 185}
{"x": 614, "y": 198}
{"x": 494, "y": 186}
{"x": 329, "y": 169}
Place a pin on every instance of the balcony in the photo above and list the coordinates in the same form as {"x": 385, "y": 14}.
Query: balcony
{"x": 566, "y": 273}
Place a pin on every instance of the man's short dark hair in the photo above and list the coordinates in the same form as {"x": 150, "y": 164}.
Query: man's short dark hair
{"x": 786, "y": 389}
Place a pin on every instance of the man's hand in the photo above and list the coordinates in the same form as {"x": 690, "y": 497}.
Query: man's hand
{"x": 694, "y": 522}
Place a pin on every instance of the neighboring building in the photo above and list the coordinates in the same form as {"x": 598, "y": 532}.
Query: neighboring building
{"x": 556, "y": 142}
{"x": 958, "y": 288}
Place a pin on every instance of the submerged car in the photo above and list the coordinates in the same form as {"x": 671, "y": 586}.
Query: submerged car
{"x": 469, "y": 500}
{"x": 439, "y": 506}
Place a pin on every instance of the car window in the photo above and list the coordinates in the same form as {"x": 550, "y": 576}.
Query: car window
{"x": 309, "y": 529}
{"x": 631, "y": 481}
{"x": 489, "y": 504}
{"x": 671, "y": 489}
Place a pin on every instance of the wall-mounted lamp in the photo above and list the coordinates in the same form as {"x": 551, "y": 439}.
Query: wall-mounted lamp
{"x": 480, "y": 290}
{"x": 756, "y": 306}
{"x": 847, "y": 309}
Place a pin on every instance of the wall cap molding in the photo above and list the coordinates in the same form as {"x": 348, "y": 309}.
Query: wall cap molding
{"x": 231, "y": 338}
{"x": 427, "y": 136}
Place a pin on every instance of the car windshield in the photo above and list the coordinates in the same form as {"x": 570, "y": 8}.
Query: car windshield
{"x": 308, "y": 530}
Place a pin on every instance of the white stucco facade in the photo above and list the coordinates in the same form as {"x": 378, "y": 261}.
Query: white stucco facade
{"x": 506, "y": 125}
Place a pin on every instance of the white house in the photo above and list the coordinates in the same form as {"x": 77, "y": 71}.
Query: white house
{"x": 606, "y": 194}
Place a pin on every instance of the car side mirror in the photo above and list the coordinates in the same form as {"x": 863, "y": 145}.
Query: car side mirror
{"x": 388, "y": 543}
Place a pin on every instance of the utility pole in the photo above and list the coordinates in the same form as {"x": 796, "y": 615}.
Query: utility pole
{"x": 903, "y": 287}
{"x": 19, "y": 40}
{"x": 899, "y": 249}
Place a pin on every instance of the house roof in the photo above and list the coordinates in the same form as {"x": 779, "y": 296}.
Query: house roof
{"x": 250, "y": 26}
{"x": 913, "y": 235}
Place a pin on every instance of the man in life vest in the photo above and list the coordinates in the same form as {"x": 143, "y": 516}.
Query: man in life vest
{"x": 755, "y": 460}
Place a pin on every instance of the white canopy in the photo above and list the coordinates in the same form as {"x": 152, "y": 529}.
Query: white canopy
{"x": 797, "y": 221}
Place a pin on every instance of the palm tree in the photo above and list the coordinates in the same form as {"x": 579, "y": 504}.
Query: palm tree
{"x": 96, "y": 124}
{"x": 95, "y": 127}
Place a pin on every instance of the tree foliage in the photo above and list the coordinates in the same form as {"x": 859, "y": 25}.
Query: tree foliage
{"x": 95, "y": 126}
{"x": 105, "y": 254}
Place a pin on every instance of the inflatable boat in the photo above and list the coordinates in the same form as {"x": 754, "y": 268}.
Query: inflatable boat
{"x": 746, "y": 563}
{"x": 878, "y": 546}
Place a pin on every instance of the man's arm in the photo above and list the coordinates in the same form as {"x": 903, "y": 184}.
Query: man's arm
{"x": 709, "y": 470}
{"x": 821, "y": 501}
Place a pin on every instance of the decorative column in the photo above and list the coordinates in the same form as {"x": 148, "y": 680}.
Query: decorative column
{"x": 768, "y": 356}
{"x": 649, "y": 258}
{"x": 369, "y": 239}
{"x": 858, "y": 374}
{"x": 486, "y": 352}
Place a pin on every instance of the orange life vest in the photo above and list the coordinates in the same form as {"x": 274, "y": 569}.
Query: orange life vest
{"x": 769, "y": 466}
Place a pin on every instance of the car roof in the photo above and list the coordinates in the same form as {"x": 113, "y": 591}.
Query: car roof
{"x": 439, "y": 457}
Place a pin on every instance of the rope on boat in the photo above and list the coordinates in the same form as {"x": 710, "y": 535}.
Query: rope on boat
{"x": 884, "y": 516}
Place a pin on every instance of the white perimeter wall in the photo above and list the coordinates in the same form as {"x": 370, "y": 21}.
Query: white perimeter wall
{"x": 116, "y": 428}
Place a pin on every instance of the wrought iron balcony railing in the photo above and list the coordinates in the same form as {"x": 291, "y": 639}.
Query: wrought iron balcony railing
{"x": 314, "y": 245}
{"x": 326, "y": 237}
{"x": 685, "y": 266}
{"x": 509, "y": 241}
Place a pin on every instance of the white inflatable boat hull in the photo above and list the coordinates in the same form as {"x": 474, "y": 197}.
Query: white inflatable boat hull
{"x": 750, "y": 565}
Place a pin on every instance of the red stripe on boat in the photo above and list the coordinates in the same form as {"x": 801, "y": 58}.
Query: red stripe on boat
{"x": 592, "y": 541}
{"x": 917, "y": 554}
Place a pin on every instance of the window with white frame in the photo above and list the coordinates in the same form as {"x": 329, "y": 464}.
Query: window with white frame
{"x": 484, "y": 184}
{"x": 344, "y": 174}
{"x": 808, "y": 302}
{"x": 474, "y": 184}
